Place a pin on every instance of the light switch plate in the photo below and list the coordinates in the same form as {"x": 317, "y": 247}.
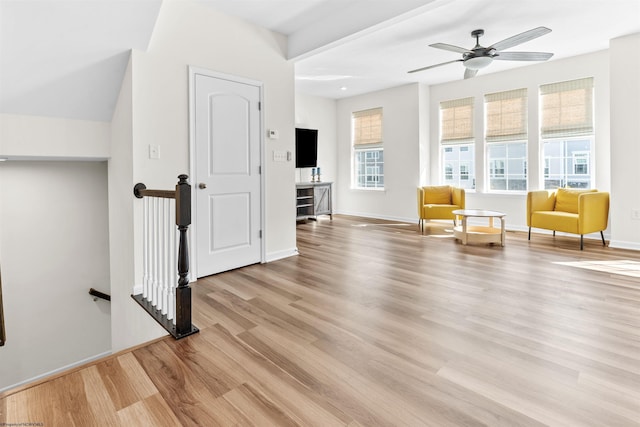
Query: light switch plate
{"x": 154, "y": 151}
{"x": 279, "y": 156}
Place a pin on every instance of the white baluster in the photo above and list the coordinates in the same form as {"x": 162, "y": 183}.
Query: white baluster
{"x": 160, "y": 257}
{"x": 165, "y": 255}
{"x": 152, "y": 242}
{"x": 156, "y": 242}
{"x": 145, "y": 247}
{"x": 173, "y": 265}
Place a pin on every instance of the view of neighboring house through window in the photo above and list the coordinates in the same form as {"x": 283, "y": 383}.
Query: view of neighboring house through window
{"x": 567, "y": 133}
{"x": 457, "y": 143}
{"x": 506, "y": 138}
{"x": 368, "y": 153}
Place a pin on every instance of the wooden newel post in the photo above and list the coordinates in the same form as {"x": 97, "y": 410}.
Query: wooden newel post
{"x": 183, "y": 291}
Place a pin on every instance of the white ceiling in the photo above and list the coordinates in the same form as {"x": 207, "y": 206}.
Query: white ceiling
{"x": 66, "y": 58}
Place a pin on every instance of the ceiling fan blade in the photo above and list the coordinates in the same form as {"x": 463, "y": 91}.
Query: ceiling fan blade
{"x": 523, "y": 56}
{"x": 468, "y": 73}
{"x": 520, "y": 38}
{"x": 450, "y": 47}
{"x": 434, "y": 66}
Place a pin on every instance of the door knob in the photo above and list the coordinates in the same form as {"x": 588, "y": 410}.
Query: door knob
{"x": 202, "y": 186}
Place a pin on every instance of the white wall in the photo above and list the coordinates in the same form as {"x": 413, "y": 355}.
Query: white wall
{"x": 130, "y": 324}
{"x": 531, "y": 77}
{"x": 190, "y": 33}
{"x": 40, "y": 137}
{"x": 53, "y": 248}
{"x": 625, "y": 141}
{"x": 401, "y": 136}
{"x": 313, "y": 112}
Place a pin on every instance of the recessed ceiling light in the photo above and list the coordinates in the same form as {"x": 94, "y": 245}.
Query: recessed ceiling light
{"x": 3, "y": 159}
{"x": 343, "y": 88}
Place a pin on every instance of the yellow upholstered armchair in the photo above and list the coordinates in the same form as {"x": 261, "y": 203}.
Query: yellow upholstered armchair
{"x": 568, "y": 210}
{"x": 438, "y": 202}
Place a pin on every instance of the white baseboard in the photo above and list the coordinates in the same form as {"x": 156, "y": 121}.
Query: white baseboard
{"x": 620, "y": 244}
{"x": 137, "y": 289}
{"x": 274, "y": 256}
{"x": 385, "y": 217}
{"x": 56, "y": 371}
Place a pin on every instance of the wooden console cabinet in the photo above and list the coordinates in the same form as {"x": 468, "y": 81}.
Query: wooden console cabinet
{"x": 313, "y": 199}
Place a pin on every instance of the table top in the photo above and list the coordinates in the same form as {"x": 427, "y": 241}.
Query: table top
{"x": 478, "y": 213}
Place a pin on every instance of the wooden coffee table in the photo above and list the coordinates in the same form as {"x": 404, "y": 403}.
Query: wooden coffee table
{"x": 479, "y": 234}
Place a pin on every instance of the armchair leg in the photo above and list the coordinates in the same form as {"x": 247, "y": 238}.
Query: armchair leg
{"x": 581, "y": 241}
{"x": 529, "y": 233}
{"x": 554, "y": 233}
{"x": 602, "y": 235}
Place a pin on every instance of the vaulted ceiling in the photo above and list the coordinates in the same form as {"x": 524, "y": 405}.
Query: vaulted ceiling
{"x": 66, "y": 58}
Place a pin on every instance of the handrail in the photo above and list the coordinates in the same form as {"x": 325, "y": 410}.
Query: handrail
{"x": 3, "y": 335}
{"x": 140, "y": 190}
{"x": 98, "y": 294}
{"x": 180, "y": 326}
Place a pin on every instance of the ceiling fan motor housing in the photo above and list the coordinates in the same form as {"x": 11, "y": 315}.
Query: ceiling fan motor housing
{"x": 479, "y": 57}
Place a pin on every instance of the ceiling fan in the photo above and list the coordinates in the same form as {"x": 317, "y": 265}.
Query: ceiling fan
{"x": 480, "y": 57}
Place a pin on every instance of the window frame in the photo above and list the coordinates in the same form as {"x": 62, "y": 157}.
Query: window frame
{"x": 363, "y": 143}
{"x": 564, "y": 176}
{"x": 566, "y": 116}
{"x": 506, "y": 124}
{"x": 456, "y": 135}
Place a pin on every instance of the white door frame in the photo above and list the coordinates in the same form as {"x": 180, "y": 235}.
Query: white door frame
{"x": 193, "y": 71}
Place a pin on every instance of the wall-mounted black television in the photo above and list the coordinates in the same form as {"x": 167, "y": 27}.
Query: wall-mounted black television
{"x": 306, "y": 148}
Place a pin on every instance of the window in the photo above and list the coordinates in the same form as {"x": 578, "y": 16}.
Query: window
{"x": 567, "y": 163}
{"x": 457, "y": 142}
{"x": 507, "y": 166}
{"x": 567, "y": 133}
{"x": 506, "y": 137}
{"x": 368, "y": 154}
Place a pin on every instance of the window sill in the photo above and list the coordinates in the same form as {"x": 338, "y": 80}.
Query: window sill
{"x": 502, "y": 193}
{"x": 367, "y": 190}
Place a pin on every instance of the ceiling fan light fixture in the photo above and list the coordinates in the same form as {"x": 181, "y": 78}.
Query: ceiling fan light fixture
{"x": 478, "y": 62}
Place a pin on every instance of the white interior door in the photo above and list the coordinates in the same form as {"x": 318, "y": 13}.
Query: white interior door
{"x": 227, "y": 171}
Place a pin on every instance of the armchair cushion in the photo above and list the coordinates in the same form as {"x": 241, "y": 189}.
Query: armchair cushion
{"x": 437, "y": 195}
{"x": 567, "y": 199}
{"x": 556, "y": 220}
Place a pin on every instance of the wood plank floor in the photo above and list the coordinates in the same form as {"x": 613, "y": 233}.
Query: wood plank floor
{"x": 374, "y": 324}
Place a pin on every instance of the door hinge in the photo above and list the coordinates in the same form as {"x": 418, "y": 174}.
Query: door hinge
{"x": 260, "y": 105}
{"x": 260, "y": 170}
{"x": 260, "y": 234}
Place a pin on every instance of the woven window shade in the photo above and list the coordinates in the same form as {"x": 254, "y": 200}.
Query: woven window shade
{"x": 567, "y": 108}
{"x": 367, "y": 127}
{"x": 456, "y": 121}
{"x": 506, "y": 115}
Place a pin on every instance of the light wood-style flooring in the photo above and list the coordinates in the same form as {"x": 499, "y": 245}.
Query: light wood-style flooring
{"x": 374, "y": 324}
